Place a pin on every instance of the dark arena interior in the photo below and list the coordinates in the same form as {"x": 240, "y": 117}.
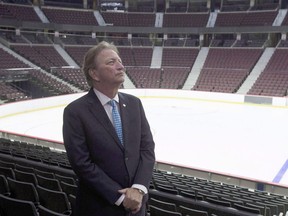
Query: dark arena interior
{"x": 217, "y": 48}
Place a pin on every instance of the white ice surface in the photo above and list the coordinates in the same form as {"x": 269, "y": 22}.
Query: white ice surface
{"x": 234, "y": 138}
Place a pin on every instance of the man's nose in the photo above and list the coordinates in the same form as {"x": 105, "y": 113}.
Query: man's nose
{"x": 120, "y": 66}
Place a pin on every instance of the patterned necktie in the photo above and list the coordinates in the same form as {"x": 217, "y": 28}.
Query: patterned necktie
{"x": 116, "y": 120}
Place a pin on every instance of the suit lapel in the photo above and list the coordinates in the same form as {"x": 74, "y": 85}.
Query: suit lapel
{"x": 100, "y": 114}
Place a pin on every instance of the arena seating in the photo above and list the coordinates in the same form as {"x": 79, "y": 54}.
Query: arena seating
{"x": 220, "y": 80}
{"x": 185, "y": 20}
{"x": 12, "y": 206}
{"x": 115, "y": 19}
{"x": 179, "y": 57}
{"x": 18, "y": 12}
{"x": 228, "y": 198}
{"x": 226, "y": 69}
{"x": 265, "y": 6}
{"x": 38, "y": 191}
{"x": 127, "y": 56}
{"x": 74, "y": 76}
{"x": 22, "y": 2}
{"x": 9, "y": 93}
{"x": 137, "y": 51}
{"x": 222, "y": 42}
{"x": 192, "y": 42}
{"x": 197, "y": 7}
{"x": 50, "y": 84}
{"x": 173, "y": 73}
{"x": 250, "y": 43}
{"x": 235, "y": 6}
{"x": 166, "y": 77}
{"x": 129, "y": 19}
{"x": 144, "y": 77}
{"x": 78, "y": 40}
{"x": 244, "y": 5}
{"x": 184, "y": 7}
{"x": 37, "y": 38}
{"x": 139, "y": 41}
{"x": 145, "y": 6}
{"x": 273, "y": 81}
{"x": 141, "y": 19}
{"x": 118, "y": 40}
{"x": 174, "y": 78}
{"x": 42, "y": 55}
{"x": 77, "y": 53}
{"x": 135, "y": 56}
{"x": 62, "y": 4}
{"x": 65, "y": 16}
{"x": 9, "y": 61}
{"x": 12, "y": 37}
{"x": 142, "y": 56}
{"x": 259, "y": 18}
{"x": 178, "y": 42}
{"x": 177, "y": 7}
{"x": 172, "y": 192}
{"x": 232, "y": 58}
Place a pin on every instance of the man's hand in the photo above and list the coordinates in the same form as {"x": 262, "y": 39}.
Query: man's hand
{"x": 133, "y": 199}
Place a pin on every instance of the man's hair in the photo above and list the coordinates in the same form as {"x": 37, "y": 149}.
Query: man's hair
{"x": 90, "y": 58}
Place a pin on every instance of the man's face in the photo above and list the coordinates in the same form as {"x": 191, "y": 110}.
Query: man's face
{"x": 109, "y": 70}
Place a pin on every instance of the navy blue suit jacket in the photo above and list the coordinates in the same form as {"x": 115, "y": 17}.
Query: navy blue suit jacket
{"x": 102, "y": 164}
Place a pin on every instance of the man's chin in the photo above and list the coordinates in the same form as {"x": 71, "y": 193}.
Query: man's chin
{"x": 120, "y": 81}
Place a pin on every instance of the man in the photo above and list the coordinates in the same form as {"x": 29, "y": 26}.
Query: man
{"x": 114, "y": 173}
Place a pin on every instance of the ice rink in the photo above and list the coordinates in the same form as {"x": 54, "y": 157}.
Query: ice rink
{"x": 234, "y": 138}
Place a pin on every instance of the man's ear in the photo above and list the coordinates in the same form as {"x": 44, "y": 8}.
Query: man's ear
{"x": 93, "y": 74}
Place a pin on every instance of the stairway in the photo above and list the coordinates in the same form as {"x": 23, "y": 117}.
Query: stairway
{"x": 257, "y": 70}
{"x": 196, "y": 69}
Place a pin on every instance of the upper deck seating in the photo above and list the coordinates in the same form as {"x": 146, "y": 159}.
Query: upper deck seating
{"x": 235, "y": 6}
{"x": 65, "y": 16}
{"x": 185, "y": 20}
{"x": 129, "y": 19}
{"x": 251, "y": 18}
{"x": 18, "y": 12}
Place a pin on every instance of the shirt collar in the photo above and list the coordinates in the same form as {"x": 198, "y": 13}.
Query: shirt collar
{"x": 103, "y": 98}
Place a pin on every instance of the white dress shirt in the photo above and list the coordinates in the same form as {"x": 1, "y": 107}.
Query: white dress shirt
{"x": 108, "y": 108}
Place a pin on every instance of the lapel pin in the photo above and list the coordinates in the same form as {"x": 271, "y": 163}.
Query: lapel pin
{"x": 124, "y": 105}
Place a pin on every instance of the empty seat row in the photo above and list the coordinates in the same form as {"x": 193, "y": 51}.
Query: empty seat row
{"x": 38, "y": 197}
{"x": 170, "y": 187}
{"x": 198, "y": 194}
{"x": 36, "y": 177}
